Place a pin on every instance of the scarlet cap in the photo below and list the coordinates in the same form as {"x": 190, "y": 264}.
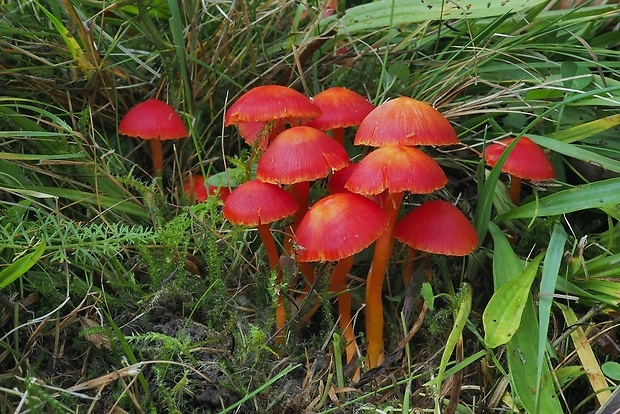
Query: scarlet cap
{"x": 341, "y": 108}
{"x": 269, "y": 103}
{"x": 396, "y": 168}
{"x": 405, "y": 121}
{"x": 437, "y": 227}
{"x": 301, "y": 154}
{"x": 526, "y": 161}
{"x": 195, "y": 186}
{"x": 255, "y": 202}
{"x": 153, "y": 119}
{"x": 338, "y": 226}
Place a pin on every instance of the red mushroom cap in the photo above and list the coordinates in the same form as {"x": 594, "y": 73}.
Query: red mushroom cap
{"x": 405, "y": 121}
{"x": 255, "y": 202}
{"x": 341, "y": 108}
{"x": 195, "y": 186}
{"x": 301, "y": 154}
{"x": 437, "y": 227}
{"x": 526, "y": 161}
{"x": 153, "y": 119}
{"x": 270, "y": 103}
{"x": 338, "y": 226}
{"x": 396, "y": 168}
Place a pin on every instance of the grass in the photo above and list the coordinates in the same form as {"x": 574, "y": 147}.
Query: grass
{"x": 120, "y": 295}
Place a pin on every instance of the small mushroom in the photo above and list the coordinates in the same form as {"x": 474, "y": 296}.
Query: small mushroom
{"x": 198, "y": 190}
{"x": 155, "y": 121}
{"x": 436, "y": 227}
{"x": 273, "y": 106}
{"x": 527, "y": 161}
{"x": 389, "y": 171}
{"x": 405, "y": 121}
{"x": 255, "y": 203}
{"x": 335, "y": 228}
{"x": 342, "y": 108}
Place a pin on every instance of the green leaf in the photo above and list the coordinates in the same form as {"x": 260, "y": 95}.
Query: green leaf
{"x": 612, "y": 370}
{"x": 377, "y": 14}
{"x": 582, "y": 197}
{"x": 19, "y": 267}
{"x": 502, "y": 316}
{"x": 551, "y": 267}
{"x": 576, "y": 151}
{"x": 521, "y": 350}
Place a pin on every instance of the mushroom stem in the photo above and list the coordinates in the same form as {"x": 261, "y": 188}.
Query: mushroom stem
{"x": 339, "y": 286}
{"x": 374, "y": 282}
{"x": 338, "y": 135}
{"x": 514, "y": 189}
{"x": 274, "y": 264}
{"x": 158, "y": 157}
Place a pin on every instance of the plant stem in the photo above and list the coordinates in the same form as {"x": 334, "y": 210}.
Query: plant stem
{"x": 157, "y": 155}
{"x": 274, "y": 264}
{"x": 338, "y": 283}
{"x": 514, "y": 189}
{"x": 374, "y": 282}
{"x": 338, "y": 135}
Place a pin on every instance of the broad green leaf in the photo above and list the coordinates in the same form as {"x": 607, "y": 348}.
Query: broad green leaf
{"x": 377, "y": 14}
{"x": 502, "y": 316}
{"x": 594, "y": 195}
{"x": 17, "y": 269}
{"x": 521, "y": 350}
{"x": 612, "y": 370}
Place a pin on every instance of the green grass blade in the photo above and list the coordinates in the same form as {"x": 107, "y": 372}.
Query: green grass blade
{"x": 376, "y": 15}
{"x": 460, "y": 320}
{"x": 579, "y": 132}
{"x": 551, "y": 267}
{"x": 594, "y": 195}
{"x": 576, "y": 151}
{"x": 17, "y": 269}
{"x": 522, "y": 349}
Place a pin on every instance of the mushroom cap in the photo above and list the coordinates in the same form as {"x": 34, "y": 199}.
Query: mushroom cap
{"x": 338, "y": 226}
{"x": 396, "y": 168}
{"x": 195, "y": 186}
{"x": 405, "y": 121}
{"x": 341, "y": 108}
{"x": 437, "y": 227}
{"x": 337, "y": 181}
{"x": 300, "y": 154}
{"x": 255, "y": 202}
{"x": 153, "y": 119}
{"x": 527, "y": 160}
{"x": 252, "y": 131}
{"x": 269, "y": 103}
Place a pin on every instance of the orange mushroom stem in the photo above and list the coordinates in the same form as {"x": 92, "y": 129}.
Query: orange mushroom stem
{"x": 255, "y": 203}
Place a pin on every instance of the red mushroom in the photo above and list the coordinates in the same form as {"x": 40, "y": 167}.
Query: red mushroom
{"x": 405, "y": 121}
{"x": 153, "y": 120}
{"x": 342, "y": 108}
{"x": 198, "y": 190}
{"x": 527, "y": 161}
{"x": 297, "y": 156}
{"x": 255, "y": 203}
{"x": 437, "y": 227}
{"x": 389, "y": 170}
{"x": 273, "y": 104}
{"x": 335, "y": 229}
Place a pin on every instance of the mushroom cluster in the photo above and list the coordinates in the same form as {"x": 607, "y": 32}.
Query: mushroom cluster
{"x": 301, "y": 141}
